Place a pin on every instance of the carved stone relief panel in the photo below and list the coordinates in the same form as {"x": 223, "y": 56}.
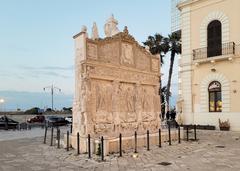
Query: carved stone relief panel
{"x": 147, "y": 103}
{"x": 127, "y": 54}
{"x": 92, "y": 50}
{"x": 109, "y": 52}
{"x": 155, "y": 65}
{"x": 103, "y": 95}
{"x": 142, "y": 60}
{"x": 127, "y": 101}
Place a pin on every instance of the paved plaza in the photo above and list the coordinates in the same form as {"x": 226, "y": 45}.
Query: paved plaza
{"x": 215, "y": 150}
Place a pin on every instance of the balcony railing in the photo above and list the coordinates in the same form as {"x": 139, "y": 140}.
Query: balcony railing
{"x": 204, "y": 53}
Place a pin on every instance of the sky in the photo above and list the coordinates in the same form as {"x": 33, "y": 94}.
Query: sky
{"x": 37, "y": 48}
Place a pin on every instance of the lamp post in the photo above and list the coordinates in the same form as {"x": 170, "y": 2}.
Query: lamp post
{"x": 2, "y": 101}
{"x": 52, "y": 89}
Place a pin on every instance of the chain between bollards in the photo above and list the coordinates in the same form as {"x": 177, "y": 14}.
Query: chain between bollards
{"x": 102, "y": 148}
{"x": 120, "y": 145}
{"x": 89, "y": 146}
{"x": 148, "y": 148}
{"x": 160, "y": 138}
{"x": 78, "y": 142}
{"x": 179, "y": 136}
{"x": 135, "y": 137}
{"x": 51, "y": 137}
{"x": 45, "y": 135}
{"x": 169, "y": 134}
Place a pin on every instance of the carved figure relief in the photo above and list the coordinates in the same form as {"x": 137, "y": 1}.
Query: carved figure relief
{"x": 127, "y": 54}
{"x": 127, "y": 102}
{"x": 103, "y": 102}
{"x": 147, "y": 102}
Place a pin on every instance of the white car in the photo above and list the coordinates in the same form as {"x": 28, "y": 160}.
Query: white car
{"x": 69, "y": 119}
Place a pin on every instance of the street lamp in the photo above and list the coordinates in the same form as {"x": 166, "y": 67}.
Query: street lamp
{"x": 2, "y": 101}
{"x": 52, "y": 88}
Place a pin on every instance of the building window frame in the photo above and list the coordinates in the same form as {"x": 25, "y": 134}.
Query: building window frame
{"x": 215, "y": 96}
{"x": 214, "y": 38}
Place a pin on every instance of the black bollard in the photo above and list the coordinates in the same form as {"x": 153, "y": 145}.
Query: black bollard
{"x": 187, "y": 132}
{"x": 120, "y": 145}
{"x": 160, "y": 138}
{"x": 135, "y": 137}
{"x": 67, "y": 140}
{"x": 195, "y": 132}
{"x": 71, "y": 129}
{"x": 45, "y": 136}
{"x": 102, "y": 148}
{"x": 58, "y": 137}
{"x": 148, "y": 140}
{"x": 179, "y": 137}
{"x": 78, "y": 142}
{"x": 169, "y": 134}
{"x": 51, "y": 137}
{"x": 89, "y": 146}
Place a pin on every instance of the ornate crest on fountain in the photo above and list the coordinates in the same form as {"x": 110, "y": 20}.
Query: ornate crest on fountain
{"x": 110, "y": 28}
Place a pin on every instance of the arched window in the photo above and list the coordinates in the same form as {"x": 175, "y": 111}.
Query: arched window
{"x": 215, "y": 97}
{"x": 214, "y": 38}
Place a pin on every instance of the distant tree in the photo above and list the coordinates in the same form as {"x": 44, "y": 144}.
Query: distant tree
{"x": 34, "y": 110}
{"x": 67, "y": 108}
{"x": 49, "y": 110}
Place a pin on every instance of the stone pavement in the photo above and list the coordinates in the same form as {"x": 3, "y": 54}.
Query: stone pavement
{"x": 30, "y": 154}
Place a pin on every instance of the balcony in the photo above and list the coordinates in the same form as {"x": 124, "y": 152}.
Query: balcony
{"x": 203, "y": 54}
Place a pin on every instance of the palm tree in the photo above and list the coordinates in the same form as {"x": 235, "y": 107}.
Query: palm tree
{"x": 157, "y": 45}
{"x": 174, "y": 47}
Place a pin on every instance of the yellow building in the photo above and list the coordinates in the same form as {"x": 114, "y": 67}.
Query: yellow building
{"x": 209, "y": 67}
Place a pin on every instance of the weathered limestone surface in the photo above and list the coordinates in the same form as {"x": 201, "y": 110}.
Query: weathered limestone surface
{"x": 116, "y": 88}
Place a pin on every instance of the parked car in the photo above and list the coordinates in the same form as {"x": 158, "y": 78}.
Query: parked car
{"x": 36, "y": 119}
{"x": 55, "y": 121}
{"x": 7, "y": 123}
{"x": 69, "y": 119}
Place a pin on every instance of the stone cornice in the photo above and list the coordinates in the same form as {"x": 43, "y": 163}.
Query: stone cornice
{"x": 103, "y": 64}
{"x": 76, "y": 35}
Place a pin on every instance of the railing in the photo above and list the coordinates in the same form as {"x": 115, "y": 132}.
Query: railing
{"x": 204, "y": 53}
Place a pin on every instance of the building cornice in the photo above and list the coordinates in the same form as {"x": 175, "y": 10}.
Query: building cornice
{"x": 187, "y": 3}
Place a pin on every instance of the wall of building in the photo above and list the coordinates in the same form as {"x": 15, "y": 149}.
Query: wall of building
{"x": 195, "y": 16}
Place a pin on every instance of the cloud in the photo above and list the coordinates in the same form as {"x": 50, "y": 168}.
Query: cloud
{"x": 10, "y": 74}
{"x": 69, "y": 68}
{"x": 54, "y": 71}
